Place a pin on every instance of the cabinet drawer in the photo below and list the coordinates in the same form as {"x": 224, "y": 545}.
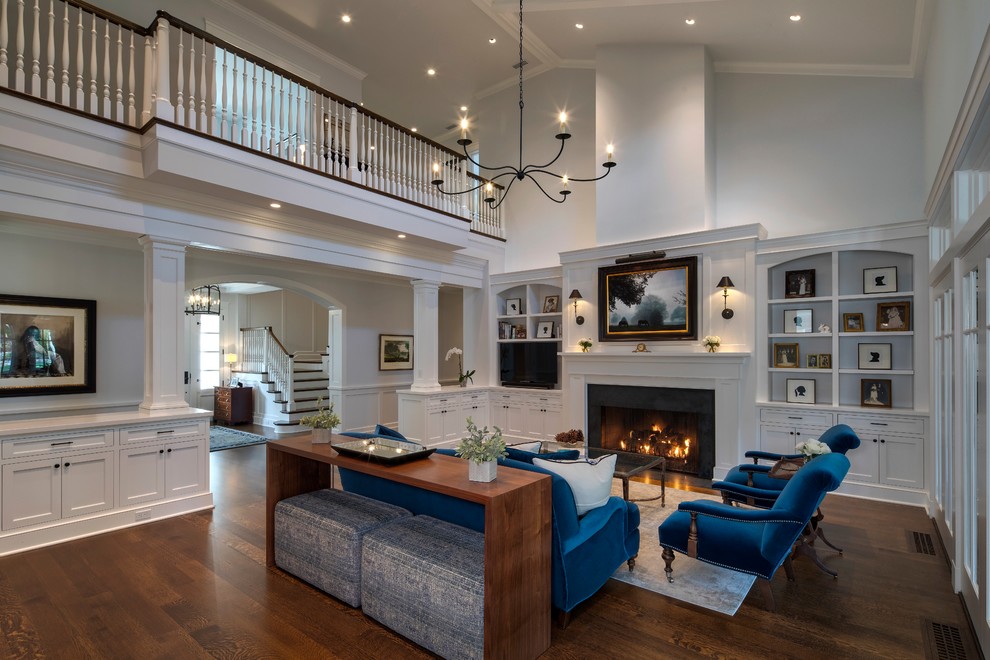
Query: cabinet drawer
{"x": 135, "y": 434}
{"x": 884, "y": 424}
{"x": 40, "y": 445}
{"x": 796, "y": 418}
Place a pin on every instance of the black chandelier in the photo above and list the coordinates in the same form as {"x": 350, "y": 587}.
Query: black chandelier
{"x": 521, "y": 172}
{"x": 204, "y": 300}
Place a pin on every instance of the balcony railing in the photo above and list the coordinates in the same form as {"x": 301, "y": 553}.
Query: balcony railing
{"x": 105, "y": 66}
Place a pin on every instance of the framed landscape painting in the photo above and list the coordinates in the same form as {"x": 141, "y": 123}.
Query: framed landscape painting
{"x": 395, "y": 352}
{"x": 47, "y": 346}
{"x": 654, "y": 300}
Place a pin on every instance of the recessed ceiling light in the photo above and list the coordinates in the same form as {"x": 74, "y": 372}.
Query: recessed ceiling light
{"x": 689, "y": 21}
{"x": 414, "y": 129}
{"x": 579, "y": 26}
{"x": 795, "y": 17}
{"x": 275, "y": 205}
{"x": 402, "y": 235}
{"x": 431, "y": 72}
{"x": 492, "y": 40}
{"x": 463, "y": 108}
{"x": 346, "y": 18}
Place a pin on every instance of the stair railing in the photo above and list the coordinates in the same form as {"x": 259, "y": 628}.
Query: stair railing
{"x": 263, "y": 352}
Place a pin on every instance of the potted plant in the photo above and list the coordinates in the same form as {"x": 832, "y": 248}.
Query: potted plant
{"x": 322, "y": 422}
{"x": 482, "y": 449}
{"x": 462, "y": 376}
{"x": 585, "y": 345}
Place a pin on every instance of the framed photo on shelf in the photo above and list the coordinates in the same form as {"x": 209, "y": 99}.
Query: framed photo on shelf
{"x": 894, "y": 316}
{"x": 813, "y": 361}
{"x": 551, "y": 304}
{"x": 797, "y": 320}
{"x": 786, "y": 356}
{"x": 518, "y": 332}
{"x": 653, "y": 300}
{"x": 48, "y": 346}
{"x": 513, "y": 306}
{"x": 544, "y": 330}
{"x": 875, "y": 393}
{"x": 799, "y": 283}
{"x": 874, "y": 356}
{"x": 824, "y": 360}
{"x": 852, "y": 322}
{"x": 800, "y": 390}
{"x": 880, "y": 280}
{"x": 395, "y": 352}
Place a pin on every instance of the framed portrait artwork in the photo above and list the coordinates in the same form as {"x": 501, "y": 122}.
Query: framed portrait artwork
{"x": 799, "y": 283}
{"x": 880, "y": 280}
{"x": 824, "y": 360}
{"x": 813, "y": 361}
{"x": 797, "y": 320}
{"x": 894, "y": 316}
{"x": 874, "y": 356}
{"x": 800, "y": 390}
{"x": 786, "y": 356}
{"x": 544, "y": 330}
{"x": 875, "y": 393}
{"x": 653, "y": 300}
{"x": 852, "y": 322}
{"x": 551, "y": 304}
{"x": 47, "y": 346}
{"x": 513, "y": 306}
{"x": 395, "y": 352}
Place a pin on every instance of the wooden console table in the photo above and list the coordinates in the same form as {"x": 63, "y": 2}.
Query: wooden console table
{"x": 517, "y": 530}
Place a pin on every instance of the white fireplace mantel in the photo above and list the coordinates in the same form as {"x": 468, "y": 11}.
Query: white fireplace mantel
{"x": 725, "y": 373}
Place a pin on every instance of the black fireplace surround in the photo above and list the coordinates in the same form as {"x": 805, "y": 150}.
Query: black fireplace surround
{"x": 665, "y": 399}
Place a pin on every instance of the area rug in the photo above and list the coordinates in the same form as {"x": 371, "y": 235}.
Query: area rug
{"x": 222, "y": 437}
{"x": 696, "y": 582}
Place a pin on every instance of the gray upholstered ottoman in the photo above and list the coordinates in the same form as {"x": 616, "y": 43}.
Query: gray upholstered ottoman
{"x": 318, "y": 538}
{"x": 425, "y": 579}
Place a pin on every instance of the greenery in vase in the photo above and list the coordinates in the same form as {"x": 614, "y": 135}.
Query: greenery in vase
{"x": 585, "y": 344}
{"x": 324, "y": 418}
{"x": 481, "y": 445}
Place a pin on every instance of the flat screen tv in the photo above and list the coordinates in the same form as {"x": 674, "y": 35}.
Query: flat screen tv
{"x": 528, "y": 364}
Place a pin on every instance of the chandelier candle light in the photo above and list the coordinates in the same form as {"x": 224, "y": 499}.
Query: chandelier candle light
{"x": 521, "y": 172}
{"x": 462, "y": 378}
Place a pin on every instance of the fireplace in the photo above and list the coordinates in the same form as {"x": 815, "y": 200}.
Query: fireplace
{"x": 676, "y": 423}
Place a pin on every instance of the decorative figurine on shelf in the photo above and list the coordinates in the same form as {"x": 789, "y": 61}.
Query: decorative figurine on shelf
{"x": 824, "y": 328}
{"x": 585, "y": 345}
{"x": 462, "y": 377}
{"x": 712, "y": 342}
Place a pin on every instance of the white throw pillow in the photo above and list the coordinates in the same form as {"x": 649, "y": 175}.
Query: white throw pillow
{"x": 590, "y": 479}
{"x": 533, "y": 447}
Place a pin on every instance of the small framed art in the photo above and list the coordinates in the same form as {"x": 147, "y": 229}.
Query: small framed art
{"x": 880, "y": 280}
{"x": 551, "y": 304}
{"x": 824, "y": 360}
{"x": 894, "y": 316}
{"x": 786, "y": 356}
{"x": 852, "y": 322}
{"x": 813, "y": 361}
{"x": 513, "y": 306}
{"x": 544, "y": 330}
{"x": 875, "y": 393}
{"x": 874, "y": 356}
{"x": 395, "y": 352}
{"x": 797, "y": 320}
{"x": 800, "y": 390}
{"x": 799, "y": 283}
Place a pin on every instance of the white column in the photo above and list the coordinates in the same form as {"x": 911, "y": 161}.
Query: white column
{"x": 163, "y": 88}
{"x": 426, "y": 324}
{"x": 164, "y": 327}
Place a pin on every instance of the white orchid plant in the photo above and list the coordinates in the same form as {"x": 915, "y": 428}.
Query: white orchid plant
{"x": 461, "y": 375}
{"x": 812, "y": 448}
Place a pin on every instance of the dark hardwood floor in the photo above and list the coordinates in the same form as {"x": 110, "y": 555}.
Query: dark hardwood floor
{"x": 196, "y": 586}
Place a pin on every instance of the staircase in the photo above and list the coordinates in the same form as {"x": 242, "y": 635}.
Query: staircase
{"x": 309, "y": 385}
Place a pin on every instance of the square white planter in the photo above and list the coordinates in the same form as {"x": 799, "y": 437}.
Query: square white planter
{"x": 322, "y": 436}
{"x": 482, "y": 471}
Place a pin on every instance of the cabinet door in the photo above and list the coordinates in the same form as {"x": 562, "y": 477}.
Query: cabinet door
{"x": 142, "y": 474}
{"x": 476, "y": 407}
{"x": 777, "y": 439}
{"x": 552, "y": 423}
{"x": 32, "y": 492}
{"x": 185, "y": 468}
{"x": 864, "y": 461}
{"x": 901, "y": 461}
{"x": 87, "y": 484}
{"x": 513, "y": 415}
{"x": 434, "y": 426}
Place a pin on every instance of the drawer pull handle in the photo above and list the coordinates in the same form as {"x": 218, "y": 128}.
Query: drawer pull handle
{"x": 166, "y": 432}
{"x": 169, "y": 450}
{"x": 878, "y": 423}
{"x": 58, "y": 444}
{"x": 161, "y": 451}
{"x": 790, "y": 417}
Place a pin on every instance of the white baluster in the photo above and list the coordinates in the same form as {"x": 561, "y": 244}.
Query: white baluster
{"x": 290, "y": 126}
{"x": 300, "y": 123}
{"x": 4, "y": 70}
{"x": 191, "y": 101}
{"x": 235, "y": 103}
{"x": 50, "y": 63}
{"x": 246, "y": 109}
{"x": 215, "y": 122}
{"x": 338, "y": 139}
{"x": 163, "y": 85}
{"x": 224, "y": 124}
{"x": 202, "y": 90}
{"x": 36, "y": 52}
{"x": 119, "y": 75}
{"x": 19, "y": 47}
{"x": 279, "y": 132}
{"x": 94, "y": 104}
{"x": 149, "y": 80}
{"x": 266, "y": 122}
{"x": 80, "y": 96}
{"x": 180, "y": 84}
{"x": 131, "y": 85}
{"x": 255, "y": 109}
{"x": 106, "y": 71}
{"x": 283, "y": 124}
{"x": 312, "y": 148}
{"x": 354, "y": 173}
{"x": 65, "y": 55}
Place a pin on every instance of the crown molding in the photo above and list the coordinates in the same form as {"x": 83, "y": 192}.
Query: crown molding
{"x": 854, "y": 70}
{"x": 566, "y": 5}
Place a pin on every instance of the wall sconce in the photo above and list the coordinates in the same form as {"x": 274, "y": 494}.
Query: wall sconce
{"x": 725, "y": 284}
{"x": 230, "y": 359}
{"x": 576, "y": 296}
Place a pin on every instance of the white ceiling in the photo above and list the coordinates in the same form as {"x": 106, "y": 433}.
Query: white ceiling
{"x": 395, "y": 41}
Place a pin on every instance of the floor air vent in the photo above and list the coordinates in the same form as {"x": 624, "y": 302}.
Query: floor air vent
{"x": 944, "y": 642}
{"x": 924, "y": 544}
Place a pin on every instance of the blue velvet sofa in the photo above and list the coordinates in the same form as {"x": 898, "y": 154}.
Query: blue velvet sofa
{"x": 585, "y": 551}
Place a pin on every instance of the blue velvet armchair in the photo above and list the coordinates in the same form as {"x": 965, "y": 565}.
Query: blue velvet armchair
{"x": 753, "y": 541}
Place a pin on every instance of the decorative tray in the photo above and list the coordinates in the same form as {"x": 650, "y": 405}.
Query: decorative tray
{"x": 383, "y": 450}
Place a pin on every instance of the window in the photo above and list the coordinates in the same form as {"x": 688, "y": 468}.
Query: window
{"x": 209, "y": 351}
